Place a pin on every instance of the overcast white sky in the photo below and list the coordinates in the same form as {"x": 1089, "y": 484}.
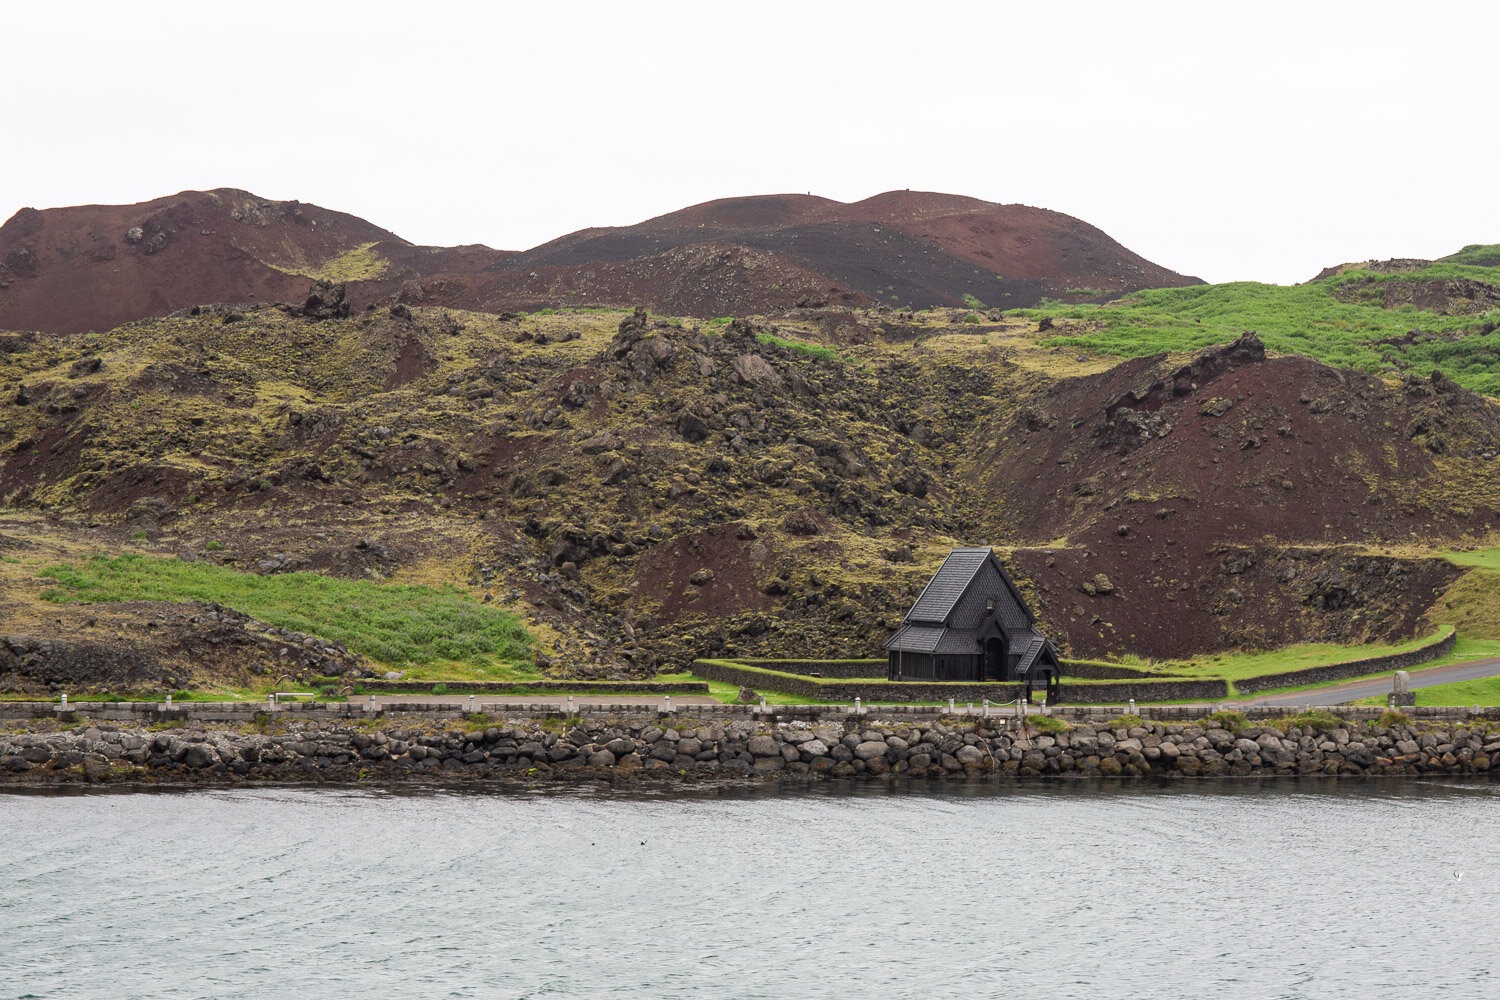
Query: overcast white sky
{"x": 1233, "y": 141}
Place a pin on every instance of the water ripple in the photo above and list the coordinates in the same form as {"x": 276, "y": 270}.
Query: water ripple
{"x": 1284, "y": 890}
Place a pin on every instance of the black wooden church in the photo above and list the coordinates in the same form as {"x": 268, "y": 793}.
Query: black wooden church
{"x": 971, "y": 624}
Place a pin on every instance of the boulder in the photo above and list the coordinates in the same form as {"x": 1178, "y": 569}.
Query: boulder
{"x": 756, "y": 371}
{"x": 602, "y": 442}
{"x": 324, "y": 300}
{"x": 1270, "y": 743}
{"x": 766, "y": 746}
{"x": 814, "y": 748}
{"x": 199, "y": 755}
{"x": 1098, "y": 584}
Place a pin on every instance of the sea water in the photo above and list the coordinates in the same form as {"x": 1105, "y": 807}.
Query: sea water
{"x": 1236, "y": 889}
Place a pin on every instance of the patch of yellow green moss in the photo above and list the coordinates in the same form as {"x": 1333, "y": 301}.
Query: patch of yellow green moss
{"x": 361, "y": 263}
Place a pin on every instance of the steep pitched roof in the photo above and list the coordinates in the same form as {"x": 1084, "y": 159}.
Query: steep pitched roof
{"x": 916, "y": 638}
{"x": 1030, "y": 654}
{"x": 953, "y": 579}
{"x": 947, "y": 585}
{"x": 932, "y": 639}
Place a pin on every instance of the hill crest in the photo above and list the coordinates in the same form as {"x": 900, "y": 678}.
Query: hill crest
{"x": 93, "y": 267}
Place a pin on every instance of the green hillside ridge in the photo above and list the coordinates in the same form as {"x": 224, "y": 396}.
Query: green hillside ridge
{"x": 1380, "y": 321}
{"x": 1482, "y": 254}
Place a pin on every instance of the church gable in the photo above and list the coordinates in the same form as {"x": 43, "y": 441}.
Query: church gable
{"x": 948, "y": 585}
{"x": 970, "y": 623}
{"x": 990, "y": 595}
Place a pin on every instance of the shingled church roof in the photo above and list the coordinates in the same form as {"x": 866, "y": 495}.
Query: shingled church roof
{"x": 947, "y": 585}
{"x": 931, "y": 639}
{"x": 947, "y": 619}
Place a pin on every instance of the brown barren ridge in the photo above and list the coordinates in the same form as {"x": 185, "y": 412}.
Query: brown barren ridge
{"x": 645, "y": 489}
{"x": 67, "y": 270}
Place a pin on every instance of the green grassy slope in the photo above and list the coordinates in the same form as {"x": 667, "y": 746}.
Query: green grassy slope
{"x": 392, "y": 624}
{"x": 1355, "y": 319}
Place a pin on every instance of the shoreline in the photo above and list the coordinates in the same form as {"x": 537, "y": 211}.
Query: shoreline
{"x": 681, "y": 750}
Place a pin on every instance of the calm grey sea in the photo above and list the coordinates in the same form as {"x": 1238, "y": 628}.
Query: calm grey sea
{"x": 1281, "y": 889}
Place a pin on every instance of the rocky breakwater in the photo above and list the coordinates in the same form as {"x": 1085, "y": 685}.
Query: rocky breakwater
{"x": 856, "y": 747}
{"x": 1212, "y": 751}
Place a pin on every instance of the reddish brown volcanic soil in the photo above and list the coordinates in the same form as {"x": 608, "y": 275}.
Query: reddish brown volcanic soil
{"x": 899, "y": 248}
{"x": 1219, "y": 486}
{"x": 1259, "y": 446}
{"x": 69, "y": 270}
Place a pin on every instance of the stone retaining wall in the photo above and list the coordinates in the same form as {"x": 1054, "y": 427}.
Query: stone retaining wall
{"x": 853, "y": 746}
{"x": 847, "y": 690}
{"x": 1354, "y": 668}
{"x": 1098, "y": 692}
{"x": 1091, "y": 670}
{"x": 580, "y": 688}
{"x": 793, "y": 677}
{"x": 825, "y": 668}
{"x": 1081, "y": 669}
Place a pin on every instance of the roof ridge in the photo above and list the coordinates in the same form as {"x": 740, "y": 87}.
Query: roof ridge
{"x": 962, "y": 584}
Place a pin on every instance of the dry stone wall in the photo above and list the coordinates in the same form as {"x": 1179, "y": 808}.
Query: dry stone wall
{"x": 854, "y": 746}
{"x": 582, "y": 688}
{"x": 822, "y": 668}
{"x": 841, "y": 689}
{"x": 1353, "y": 668}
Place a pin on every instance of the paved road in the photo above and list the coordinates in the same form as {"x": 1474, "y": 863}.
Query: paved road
{"x": 1339, "y": 694}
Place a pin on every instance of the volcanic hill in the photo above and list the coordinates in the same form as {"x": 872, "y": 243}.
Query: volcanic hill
{"x": 70, "y": 270}
{"x": 93, "y": 267}
{"x": 912, "y": 249}
{"x": 644, "y": 490}
{"x": 269, "y": 386}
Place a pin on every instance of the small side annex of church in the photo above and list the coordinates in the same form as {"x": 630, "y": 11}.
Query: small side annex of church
{"x": 971, "y": 624}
